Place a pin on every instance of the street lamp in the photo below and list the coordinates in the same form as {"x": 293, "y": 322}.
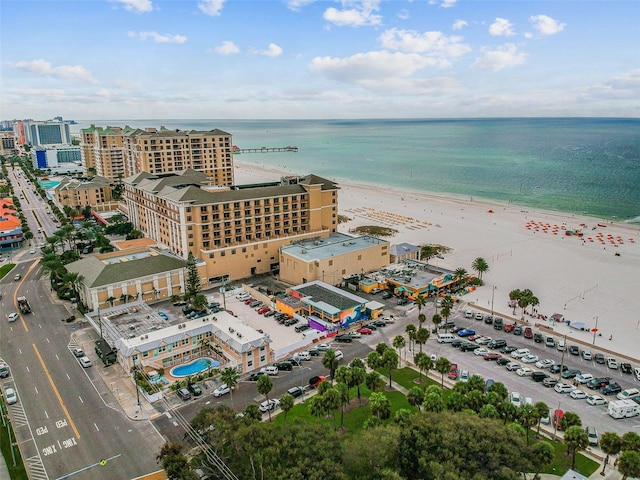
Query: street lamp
{"x": 493, "y": 291}
{"x": 595, "y": 330}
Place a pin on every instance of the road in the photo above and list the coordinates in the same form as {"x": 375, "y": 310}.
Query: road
{"x": 64, "y": 426}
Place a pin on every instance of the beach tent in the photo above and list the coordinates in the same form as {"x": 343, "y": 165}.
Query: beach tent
{"x": 556, "y": 317}
{"x": 577, "y": 325}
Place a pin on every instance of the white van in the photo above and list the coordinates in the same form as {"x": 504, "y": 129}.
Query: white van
{"x": 468, "y": 313}
{"x": 445, "y": 337}
{"x": 304, "y": 355}
{"x": 628, "y": 393}
{"x": 582, "y": 379}
{"x": 270, "y": 370}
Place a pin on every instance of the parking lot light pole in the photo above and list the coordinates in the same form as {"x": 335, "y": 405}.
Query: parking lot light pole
{"x": 595, "y": 331}
{"x": 493, "y": 291}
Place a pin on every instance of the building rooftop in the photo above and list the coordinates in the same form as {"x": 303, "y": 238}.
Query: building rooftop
{"x": 327, "y": 297}
{"x": 74, "y": 184}
{"x": 399, "y": 249}
{"x": 106, "y": 269}
{"x": 414, "y": 273}
{"x": 331, "y": 246}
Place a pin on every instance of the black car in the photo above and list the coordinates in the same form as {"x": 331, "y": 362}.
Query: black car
{"x": 296, "y": 391}
{"x": 574, "y": 350}
{"x": 380, "y": 323}
{"x": 302, "y": 328}
{"x": 184, "y": 394}
{"x": 508, "y": 349}
{"x": 571, "y": 373}
{"x": 255, "y": 376}
{"x": 612, "y": 388}
{"x": 517, "y": 330}
{"x": 344, "y": 339}
{"x": 538, "y": 338}
{"x": 286, "y": 366}
{"x": 187, "y": 309}
{"x": 556, "y": 368}
{"x": 371, "y": 326}
{"x": 195, "y": 389}
{"x": 270, "y": 313}
{"x": 387, "y": 294}
{"x": 599, "y": 358}
{"x": 314, "y": 352}
{"x": 468, "y": 347}
{"x": 456, "y": 343}
{"x": 598, "y": 383}
{"x": 497, "y": 343}
{"x": 626, "y": 368}
{"x": 503, "y": 361}
{"x": 403, "y": 301}
{"x": 488, "y": 320}
{"x": 539, "y": 376}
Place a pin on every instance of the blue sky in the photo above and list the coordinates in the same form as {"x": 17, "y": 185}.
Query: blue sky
{"x": 236, "y": 59}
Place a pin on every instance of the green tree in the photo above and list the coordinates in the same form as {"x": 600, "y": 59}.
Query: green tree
{"x": 344, "y": 375}
{"x": 252, "y": 412}
{"x": 481, "y": 266}
{"x": 399, "y": 343}
{"x": 631, "y": 441}
{"x": 576, "y": 439}
{"x": 423, "y": 362}
{"x": 422, "y": 335}
{"x": 420, "y": 301}
{"x": 527, "y": 418}
{"x": 499, "y": 389}
{"x": 410, "y": 330}
{"x": 192, "y": 287}
{"x": 542, "y": 411}
{"x": 317, "y": 406}
{"x": 389, "y": 361}
{"x": 380, "y": 405}
{"x": 610, "y": 443}
{"x": 286, "y": 403}
{"x": 264, "y": 386}
{"x": 330, "y": 362}
{"x": 230, "y": 376}
{"x": 456, "y": 401}
{"x": 427, "y": 252}
{"x": 443, "y": 366}
{"x": 436, "y": 319}
{"x": 459, "y": 276}
{"x": 175, "y": 463}
{"x": 433, "y": 402}
{"x": 541, "y": 456}
{"x": 568, "y": 420}
{"x": 374, "y": 382}
{"x": 489, "y": 411}
{"x": 332, "y": 402}
{"x": 415, "y": 397}
{"x": 358, "y": 377}
{"x": 629, "y": 464}
{"x": 343, "y": 396}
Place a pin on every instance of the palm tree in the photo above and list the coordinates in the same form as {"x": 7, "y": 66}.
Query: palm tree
{"x": 264, "y": 387}
{"x": 436, "y": 319}
{"x": 480, "y": 265}
{"x": 415, "y": 397}
{"x": 410, "y": 329}
{"x": 514, "y": 296}
{"x": 399, "y": 343}
{"x": 421, "y": 301}
{"x": 443, "y": 366}
{"x": 230, "y": 376}
{"x": 422, "y": 335}
{"x": 427, "y": 252}
{"x": 576, "y": 439}
{"x": 286, "y": 403}
{"x": 542, "y": 411}
{"x": 380, "y": 405}
{"x": 629, "y": 464}
{"x": 424, "y": 362}
{"x": 330, "y": 362}
{"x": 459, "y": 275}
{"x": 610, "y": 444}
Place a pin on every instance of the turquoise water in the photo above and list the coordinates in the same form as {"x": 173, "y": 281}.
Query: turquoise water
{"x": 192, "y": 368}
{"x": 574, "y": 165}
{"x": 48, "y": 184}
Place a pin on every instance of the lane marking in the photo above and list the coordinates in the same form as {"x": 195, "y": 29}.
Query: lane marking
{"x": 15, "y": 294}
{"x": 55, "y": 390}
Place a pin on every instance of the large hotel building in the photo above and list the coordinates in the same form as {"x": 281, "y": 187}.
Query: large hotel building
{"x": 115, "y": 152}
{"x": 236, "y": 230}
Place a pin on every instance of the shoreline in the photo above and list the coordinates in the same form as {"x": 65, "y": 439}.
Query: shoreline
{"x": 584, "y": 280}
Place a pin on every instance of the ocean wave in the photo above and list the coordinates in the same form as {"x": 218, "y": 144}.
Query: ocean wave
{"x": 633, "y": 220}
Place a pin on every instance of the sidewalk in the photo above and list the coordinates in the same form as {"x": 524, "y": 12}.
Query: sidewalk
{"x": 4, "y": 470}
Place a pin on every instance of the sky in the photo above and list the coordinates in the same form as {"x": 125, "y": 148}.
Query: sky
{"x": 308, "y": 59}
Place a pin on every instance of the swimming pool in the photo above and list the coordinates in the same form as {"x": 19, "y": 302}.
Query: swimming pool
{"x": 47, "y": 185}
{"x": 191, "y": 368}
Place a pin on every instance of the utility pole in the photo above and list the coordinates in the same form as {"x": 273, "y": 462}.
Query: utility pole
{"x": 562, "y": 359}
{"x": 493, "y": 291}
{"x": 595, "y": 331}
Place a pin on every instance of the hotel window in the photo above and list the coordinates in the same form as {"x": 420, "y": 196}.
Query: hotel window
{"x": 262, "y": 358}
{"x": 222, "y": 253}
{"x": 330, "y": 263}
{"x": 250, "y": 363}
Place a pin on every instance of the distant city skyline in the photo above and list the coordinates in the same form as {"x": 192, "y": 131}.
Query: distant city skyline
{"x": 288, "y": 59}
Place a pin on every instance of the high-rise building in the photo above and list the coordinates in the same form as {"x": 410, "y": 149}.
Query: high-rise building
{"x": 57, "y": 158}
{"x": 237, "y": 231}
{"x": 38, "y": 133}
{"x": 103, "y": 152}
{"x": 7, "y": 145}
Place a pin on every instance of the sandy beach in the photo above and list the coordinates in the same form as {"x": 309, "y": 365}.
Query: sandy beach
{"x": 580, "y": 278}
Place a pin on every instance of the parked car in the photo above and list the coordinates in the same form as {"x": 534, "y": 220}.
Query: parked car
{"x": 387, "y": 294}
{"x": 508, "y": 349}
{"x": 497, "y": 343}
{"x": 550, "y": 342}
{"x": 598, "y": 383}
{"x": 513, "y": 366}
{"x": 316, "y": 380}
{"x": 270, "y": 404}
{"x": 344, "y": 338}
{"x": 549, "y": 382}
{"x": 483, "y": 340}
{"x": 479, "y": 316}
{"x": 481, "y": 352}
{"x": 184, "y": 394}
{"x": 528, "y": 332}
{"x": 270, "y": 313}
{"x": 563, "y": 387}
{"x": 586, "y": 355}
{"x": 596, "y": 400}
{"x": 263, "y": 310}
{"x": 521, "y": 352}
{"x": 539, "y": 376}
{"x": 592, "y": 435}
{"x": 195, "y": 389}
{"x": 571, "y": 373}
{"x": 508, "y": 328}
{"x": 529, "y": 358}
{"x": 249, "y": 301}
{"x": 221, "y": 390}
{"x": 296, "y": 391}
{"x": 403, "y": 301}
{"x": 612, "y": 363}
{"x": 557, "y": 368}
{"x": 599, "y": 358}
{"x": 10, "y": 396}
{"x": 538, "y": 338}
{"x": 626, "y": 368}
{"x": 465, "y": 332}
{"x": 488, "y": 319}
{"x": 503, "y": 361}
{"x": 582, "y": 379}
{"x": 546, "y": 363}
{"x": 301, "y": 328}
{"x": 355, "y": 334}
{"x": 364, "y": 331}
{"x": 517, "y": 330}
{"x": 464, "y": 376}
{"x": 453, "y": 372}
{"x": 515, "y": 399}
{"x": 286, "y": 366}
{"x": 524, "y": 372}
{"x": 85, "y": 362}
{"x": 612, "y": 388}
{"x": 491, "y": 356}
{"x": 163, "y": 315}
{"x": 578, "y": 394}
{"x": 78, "y": 352}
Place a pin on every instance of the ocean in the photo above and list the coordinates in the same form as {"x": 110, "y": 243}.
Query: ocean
{"x": 573, "y": 165}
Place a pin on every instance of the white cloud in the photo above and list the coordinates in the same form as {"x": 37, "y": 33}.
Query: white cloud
{"x": 404, "y": 14}
{"x": 370, "y": 66}
{"x": 448, "y": 3}
{"x": 66, "y": 72}
{"x": 273, "y": 51}
{"x": 460, "y": 24}
{"x": 427, "y": 42}
{"x": 505, "y": 56}
{"x": 212, "y": 8}
{"x": 546, "y": 25}
{"x": 501, "y": 28}
{"x": 158, "y": 38}
{"x": 227, "y": 48}
{"x": 355, "y": 13}
{"x": 297, "y": 5}
{"x": 48, "y": 94}
{"x": 138, "y": 6}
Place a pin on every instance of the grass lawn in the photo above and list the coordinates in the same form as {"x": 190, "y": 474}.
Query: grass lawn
{"x": 4, "y": 269}
{"x": 562, "y": 461}
{"x": 18, "y": 472}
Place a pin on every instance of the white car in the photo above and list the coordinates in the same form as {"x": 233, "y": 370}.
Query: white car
{"x": 546, "y": 363}
{"x": 524, "y": 372}
{"x": 10, "y": 396}
{"x": 270, "y": 404}
{"x": 479, "y": 316}
{"x": 521, "y": 352}
{"x": 12, "y": 317}
{"x": 481, "y": 351}
{"x": 464, "y": 376}
{"x": 596, "y": 400}
{"x": 483, "y": 340}
{"x": 578, "y": 394}
{"x": 563, "y": 387}
{"x": 586, "y": 355}
{"x": 323, "y": 347}
{"x": 355, "y": 335}
{"x": 221, "y": 390}
{"x": 612, "y": 363}
{"x": 515, "y": 399}
{"x": 85, "y": 361}
{"x": 339, "y": 355}
{"x": 529, "y": 358}
{"x": 636, "y": 372}
{"x": 511, "y": 366}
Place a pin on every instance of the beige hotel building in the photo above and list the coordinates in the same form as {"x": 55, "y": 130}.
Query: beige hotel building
{"x": 236, "y": 230}
{"x": 115, "y": 152}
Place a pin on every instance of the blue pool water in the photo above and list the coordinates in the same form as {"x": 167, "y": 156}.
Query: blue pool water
{"x": 48, "y": 184}
{"x": 194, "y": 367}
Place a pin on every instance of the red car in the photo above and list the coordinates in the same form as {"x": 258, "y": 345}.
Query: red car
{"x": 528, "y": 332}
{"x": 492, "y": 356}
{"x": 453, "y": 372}
{"x": 249, "y": 300}
{"x": 263, "y": 310}
{"x": 364, "y": 331}
{"x": 509, "y": 327}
